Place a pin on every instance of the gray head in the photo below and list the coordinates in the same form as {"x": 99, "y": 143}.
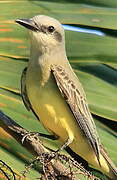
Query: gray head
{"x": 46, "y": 32}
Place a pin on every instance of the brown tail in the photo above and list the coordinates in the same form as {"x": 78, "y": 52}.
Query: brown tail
{"x": 113, "y": 169}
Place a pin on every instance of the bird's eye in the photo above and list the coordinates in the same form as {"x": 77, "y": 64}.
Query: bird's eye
{"x": 51, "y": 29}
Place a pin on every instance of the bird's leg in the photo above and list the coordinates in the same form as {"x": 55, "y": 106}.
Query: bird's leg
{"x": 54, "y": 154}
{"x": 67, "y": 143}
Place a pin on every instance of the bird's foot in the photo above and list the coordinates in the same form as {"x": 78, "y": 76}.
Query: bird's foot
{"x": 47, "y": 157}
{"x": 53, "y": 155}
{"x": 29, "y": 135}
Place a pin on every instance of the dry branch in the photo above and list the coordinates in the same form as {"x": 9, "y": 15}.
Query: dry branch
{"x": 53, "y": 169}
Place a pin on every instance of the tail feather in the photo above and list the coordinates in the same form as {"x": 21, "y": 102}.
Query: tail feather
{"x": 113, "y": 169}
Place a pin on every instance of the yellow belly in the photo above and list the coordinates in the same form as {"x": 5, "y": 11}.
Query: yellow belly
{"x": 56, "y": 116}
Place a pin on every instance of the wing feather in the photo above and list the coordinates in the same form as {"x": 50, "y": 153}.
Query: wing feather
{"x": 78, "y": 106}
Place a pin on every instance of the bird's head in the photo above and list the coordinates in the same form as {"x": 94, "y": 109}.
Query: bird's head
{"x": 45, "y": 32}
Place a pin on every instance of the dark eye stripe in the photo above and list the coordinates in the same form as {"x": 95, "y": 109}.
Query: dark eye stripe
{"x": 58, "y": 36}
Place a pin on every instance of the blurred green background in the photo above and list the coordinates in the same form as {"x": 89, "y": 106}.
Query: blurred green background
{"x": 94, "y": 59}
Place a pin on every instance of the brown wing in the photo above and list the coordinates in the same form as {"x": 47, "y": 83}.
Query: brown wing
{"x": 24, "y": 93}
{"x": 78, "y": 106}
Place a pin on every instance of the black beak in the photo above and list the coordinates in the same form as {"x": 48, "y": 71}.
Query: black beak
{"x": 27, "y": 23}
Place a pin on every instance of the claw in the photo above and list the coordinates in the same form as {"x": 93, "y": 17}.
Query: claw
{"x": 28, "y": 135}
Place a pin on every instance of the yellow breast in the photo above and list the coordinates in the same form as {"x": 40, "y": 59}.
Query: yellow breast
{"x": 56, "y": 117}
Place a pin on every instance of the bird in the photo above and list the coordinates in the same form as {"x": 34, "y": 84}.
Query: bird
{"x": 53, "y": 92}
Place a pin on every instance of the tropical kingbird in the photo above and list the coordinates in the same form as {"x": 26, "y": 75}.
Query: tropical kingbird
{"x": 51, "y": 89}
